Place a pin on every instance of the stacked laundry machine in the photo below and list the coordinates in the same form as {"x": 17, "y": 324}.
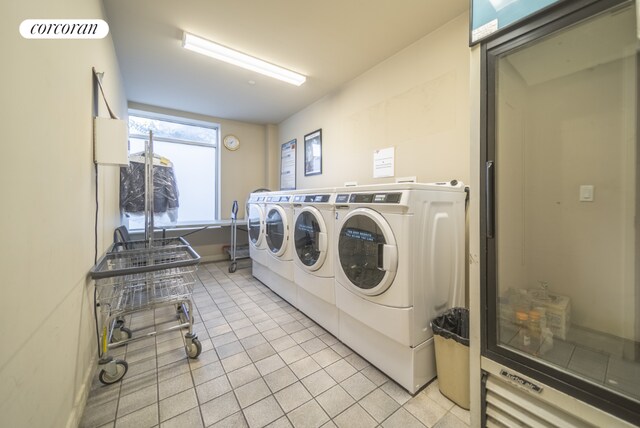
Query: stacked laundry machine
{"x": 371, "y": 264}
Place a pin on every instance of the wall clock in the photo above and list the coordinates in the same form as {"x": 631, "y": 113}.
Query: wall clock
{"x": 231, "y": 142}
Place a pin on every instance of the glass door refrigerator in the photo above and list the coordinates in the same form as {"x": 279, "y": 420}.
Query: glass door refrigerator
{"x": 560, "y": 278}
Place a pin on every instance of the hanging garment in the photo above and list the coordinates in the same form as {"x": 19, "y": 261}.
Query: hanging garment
{"x": 165, "y": 187}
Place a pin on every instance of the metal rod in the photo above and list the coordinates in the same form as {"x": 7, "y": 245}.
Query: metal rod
{"x": 148, "y": 190}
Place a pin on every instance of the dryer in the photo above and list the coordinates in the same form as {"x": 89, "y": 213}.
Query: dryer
{"x": 278, "y": 231}
{"x": 313, "y": 256}
{"x": 256, "y": 206}
{"x": 399, "y": 263}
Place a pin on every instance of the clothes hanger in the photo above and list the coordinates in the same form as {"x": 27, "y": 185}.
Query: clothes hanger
{"x": 157, "y": 159}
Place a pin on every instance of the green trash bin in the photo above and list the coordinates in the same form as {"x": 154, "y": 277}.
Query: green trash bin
{"x": 451, "y": 340}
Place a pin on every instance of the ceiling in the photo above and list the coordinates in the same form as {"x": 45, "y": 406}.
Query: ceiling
{"x": 330, "y": 41}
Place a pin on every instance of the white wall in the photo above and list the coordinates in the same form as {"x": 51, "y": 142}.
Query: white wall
{"x": 416, "y": 101}
{"x": 48, "y": 351}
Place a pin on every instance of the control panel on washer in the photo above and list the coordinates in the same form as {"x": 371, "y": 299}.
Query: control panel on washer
{"x": 312, "y": 198}
{"x": 278, "y": 198}
{"x": 369, "y": 198}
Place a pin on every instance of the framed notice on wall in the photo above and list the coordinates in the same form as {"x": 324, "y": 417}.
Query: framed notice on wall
{"x": 313, "y": 153}
{"x": 489, "y": 17}
{"x": 288, "y": 165}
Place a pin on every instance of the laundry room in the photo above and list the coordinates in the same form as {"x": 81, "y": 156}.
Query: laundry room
{"x": 346, "y": 213}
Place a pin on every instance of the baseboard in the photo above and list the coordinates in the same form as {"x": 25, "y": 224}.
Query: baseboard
{"x": 214, "y": 258}
{"x": 83, "y": 394}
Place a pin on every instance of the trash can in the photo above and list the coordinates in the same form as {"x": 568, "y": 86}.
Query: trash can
{"x": 451, "y": 338}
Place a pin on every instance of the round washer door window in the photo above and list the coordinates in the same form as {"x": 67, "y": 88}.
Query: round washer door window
{"x": 255, "y": 225}
{"x": 310, "y": 238}
{"x": 276, "y": 231}
{"x": 367, "y": 251}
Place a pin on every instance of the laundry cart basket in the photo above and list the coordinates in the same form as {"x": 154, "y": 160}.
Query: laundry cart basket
{"x": 137, "y": 276}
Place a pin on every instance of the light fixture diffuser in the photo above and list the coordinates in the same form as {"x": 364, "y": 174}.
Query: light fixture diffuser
{"x": 223, "y": 53}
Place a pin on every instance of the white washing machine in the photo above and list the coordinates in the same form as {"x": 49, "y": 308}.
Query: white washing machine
{"x": 256, "y": 206}
{"x": 278, "y": 231}
{"x": 399, "y": 264}
{"x": 313, "y": 257}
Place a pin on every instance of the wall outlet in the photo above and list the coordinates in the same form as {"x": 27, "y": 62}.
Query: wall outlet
{"x": 586, "y": 193}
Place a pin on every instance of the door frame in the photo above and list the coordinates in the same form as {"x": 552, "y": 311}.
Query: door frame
{"x": 322, "y": 232}
{"x": 285, "y": 225}
{"x": 261, "y": 227}
{"x": 390, "y": 242}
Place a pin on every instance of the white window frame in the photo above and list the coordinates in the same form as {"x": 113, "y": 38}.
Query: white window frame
{"x": 216, "y": 145}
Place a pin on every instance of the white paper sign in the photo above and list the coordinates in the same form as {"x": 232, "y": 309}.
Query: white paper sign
{"x": 383, "y": 162}
{"x": 288, "y": 166}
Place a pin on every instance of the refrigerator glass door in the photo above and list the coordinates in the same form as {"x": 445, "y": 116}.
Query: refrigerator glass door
{"x": 562, "y": 204}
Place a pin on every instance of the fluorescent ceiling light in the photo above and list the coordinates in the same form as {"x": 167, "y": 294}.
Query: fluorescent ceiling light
{"x": 223, "y": 53}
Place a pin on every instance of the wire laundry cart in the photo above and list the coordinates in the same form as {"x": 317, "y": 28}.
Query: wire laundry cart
{"x": 235, "y": 252}
{"x": 138, "y": 276}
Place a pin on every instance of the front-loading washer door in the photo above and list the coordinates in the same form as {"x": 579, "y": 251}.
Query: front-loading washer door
{"x": 277, "y": 231}
{"x": 255, "y": 224}
{"x": 367, "y": 251}
{"x": 310, "y": 238}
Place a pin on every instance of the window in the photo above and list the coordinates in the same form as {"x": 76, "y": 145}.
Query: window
{"x": 191, "y": 146}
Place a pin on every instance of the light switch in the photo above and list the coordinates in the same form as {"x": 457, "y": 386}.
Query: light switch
{"x": 586, "y": 193}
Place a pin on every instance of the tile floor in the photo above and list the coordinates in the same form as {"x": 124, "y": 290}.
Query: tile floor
{"x": 263, "y": 363}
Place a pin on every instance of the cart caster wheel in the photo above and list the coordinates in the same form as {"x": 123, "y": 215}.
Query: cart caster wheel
{"x": 194, "y": 348}
{"x": 120, "y": 334}
{"x": 233, "y": 267}
{"x": 121, "y": 370}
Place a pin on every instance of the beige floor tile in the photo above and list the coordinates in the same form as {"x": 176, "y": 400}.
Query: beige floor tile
{"x": 280, "y": 379}
{"x": 244, "y": 375}
{"x": 335, "y": 400}
{"x": 340, "y": 370}
{"x": 318, "y": 382}
{"x": 175, "y": 385}
{"x": 450, "y": 421}
{"x": 379, "y": 405}
{"x": 213, "y": 388}
{"x": 177, "y": 404}
{"x": 309, "y": 415}
{"x": 219, "y": 408}
{"x": 270, "y": 364}
{"x": 425, "y": 409}
{"x": 190, "y": 418}
{"x": 292, "y": 396}
{"x": 146, "y": 417}
{"x": 358, "y": 386}
{"x": 236, "y": 420}
{"x": 304, "y": 367}
{"x": 137, "y": 400}
{"x": 252, "y": 392}
{"x": 402, "y": 419}
{"x": 355, "y": 417}
{"x": 263, "y": 412}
